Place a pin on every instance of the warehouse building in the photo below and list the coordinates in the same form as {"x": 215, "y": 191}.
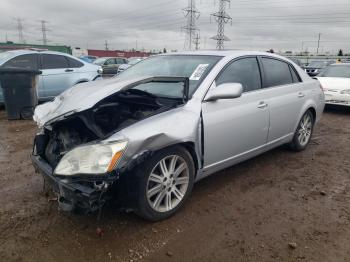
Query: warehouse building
{"x": 14, "y": 46}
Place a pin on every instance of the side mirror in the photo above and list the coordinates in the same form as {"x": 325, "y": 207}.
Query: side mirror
{"x": 225, "y": 91}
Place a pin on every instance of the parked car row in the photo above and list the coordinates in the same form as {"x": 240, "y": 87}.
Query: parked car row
{"x": 334, "y": 77}
{"x": 59, "y": 71}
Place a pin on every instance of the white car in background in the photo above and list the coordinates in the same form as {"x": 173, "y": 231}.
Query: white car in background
{"x": 335, "y": 80}
{"x": 60, "y": 71}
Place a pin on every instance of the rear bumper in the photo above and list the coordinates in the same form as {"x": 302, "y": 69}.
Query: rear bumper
{"x": 337, "y": 99}
{"x": 73, "y": 194}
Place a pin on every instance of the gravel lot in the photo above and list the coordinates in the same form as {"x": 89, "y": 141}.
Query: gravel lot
{"x": 280, "y": 206}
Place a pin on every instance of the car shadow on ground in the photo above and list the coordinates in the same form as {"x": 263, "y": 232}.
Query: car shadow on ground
{"x": 334, "y": 109}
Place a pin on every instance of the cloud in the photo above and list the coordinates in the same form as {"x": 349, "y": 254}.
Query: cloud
{"x": 256, "y": 24}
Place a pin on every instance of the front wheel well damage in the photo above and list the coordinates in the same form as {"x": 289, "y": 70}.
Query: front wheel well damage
{"x": 142, "y": 157}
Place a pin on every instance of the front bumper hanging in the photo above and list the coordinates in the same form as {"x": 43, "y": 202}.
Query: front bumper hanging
{"x": 87, "y": 195}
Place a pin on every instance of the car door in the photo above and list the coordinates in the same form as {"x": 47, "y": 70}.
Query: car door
{"x": 77, "y": 68}
{"x": 27, "y": 61}
{"x": 287, "y": 96}
{"x": 235, "y": 129}
{"x": 110, "y": 66}
{"x": 57, "y": 76}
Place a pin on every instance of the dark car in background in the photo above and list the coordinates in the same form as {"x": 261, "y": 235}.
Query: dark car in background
{"x": 315, "y": 67}
{"x": 110, "y": 65}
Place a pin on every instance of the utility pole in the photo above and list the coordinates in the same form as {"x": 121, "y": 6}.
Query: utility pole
{"x": 106, "y": 45}
{"x": 43, "y": 31}
{"x": 222, "y": 18}
{"x": 197, "y": 41}
{"x": 20, "y": 31}
{"x": 192, "y": 14}
{"x": 318, "y": 42}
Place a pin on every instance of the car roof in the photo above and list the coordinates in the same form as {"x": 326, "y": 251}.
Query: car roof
{"x": 227, "y": 53}
{"x": 29, "y": 51}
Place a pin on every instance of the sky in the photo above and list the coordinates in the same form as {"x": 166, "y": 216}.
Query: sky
{"x": 144, "y": 24}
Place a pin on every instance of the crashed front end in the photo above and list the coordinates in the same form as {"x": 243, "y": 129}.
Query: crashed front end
{"x": 82, "y": 176}
{"x": 78, "y": 151}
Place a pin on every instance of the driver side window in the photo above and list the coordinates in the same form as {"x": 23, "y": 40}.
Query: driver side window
{"x": 244, "y": 71}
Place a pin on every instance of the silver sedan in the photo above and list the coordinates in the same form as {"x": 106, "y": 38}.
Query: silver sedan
{"x": 145, "y": 137}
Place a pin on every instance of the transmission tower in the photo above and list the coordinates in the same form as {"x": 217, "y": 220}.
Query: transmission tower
{"x": 106, "y": 45}
{"x": 221, "y": 18}
{"x": 20, "y": 30}
{"x": 44, "y": 30}
{"x": 192, "y": 14}
{"x": 197, "y": 41}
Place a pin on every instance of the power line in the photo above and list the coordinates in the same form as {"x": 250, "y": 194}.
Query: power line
{"x": 20, "y": 30}
{"x": 192, "y": 14}
{"x": 43, "y": 31}
{"x": 221, "y": 18}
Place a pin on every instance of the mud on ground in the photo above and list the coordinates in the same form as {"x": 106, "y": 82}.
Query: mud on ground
{"x": 280, "y": 206}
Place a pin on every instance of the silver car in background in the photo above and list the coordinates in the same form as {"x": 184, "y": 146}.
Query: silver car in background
{"x": 131, "y": 61}
{"x": 144, "y": 137}
{"x": 60, "y": 71}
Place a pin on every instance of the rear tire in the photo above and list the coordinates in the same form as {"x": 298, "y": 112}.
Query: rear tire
{"x": 165, "y": 183}
{"x": 303, "y": 133}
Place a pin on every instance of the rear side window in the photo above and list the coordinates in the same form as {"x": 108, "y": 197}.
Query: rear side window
{"x": 244, "y": 71}
{"x": 295, "y": 76}
{"x": 54, "y": 61}
{"x": 276, "y": 72}
{"x": 73, "y": 63}
{"x": 121, "y": 61}
{"x": 24, "y": 62}
{"x": 110, "y": 61}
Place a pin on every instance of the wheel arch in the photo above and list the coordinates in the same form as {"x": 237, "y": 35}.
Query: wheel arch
{"x": 309, "y": 105}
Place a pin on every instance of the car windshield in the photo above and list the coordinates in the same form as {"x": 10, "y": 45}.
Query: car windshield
{"x": 318, "y": 64}
{"x": 336, "y": 71}
{"x": 195, "y": 67}
{"x": 100, "y": 61}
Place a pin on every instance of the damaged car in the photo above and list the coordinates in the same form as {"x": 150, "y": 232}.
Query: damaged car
{"x": 144, "y": 137}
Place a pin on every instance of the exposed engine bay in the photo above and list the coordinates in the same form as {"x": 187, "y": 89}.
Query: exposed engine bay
{"x": 109, "y": 115}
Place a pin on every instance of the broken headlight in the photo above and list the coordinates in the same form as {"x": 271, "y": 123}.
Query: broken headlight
{"x": 92, "y": 159}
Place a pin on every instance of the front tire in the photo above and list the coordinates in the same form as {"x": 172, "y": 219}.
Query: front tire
{"x": 165, "y": 183}
{"x": 303, "y": 133}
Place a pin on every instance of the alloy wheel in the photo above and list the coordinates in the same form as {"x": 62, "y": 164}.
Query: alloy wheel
{"x": 304, "y": 132}
{"x": 168, "y": 183}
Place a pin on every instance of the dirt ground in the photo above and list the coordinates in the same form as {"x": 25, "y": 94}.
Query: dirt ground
{"x": 280, "y": 206}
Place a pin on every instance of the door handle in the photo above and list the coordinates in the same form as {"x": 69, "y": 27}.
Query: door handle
{"x": 262, "y": 104}
{"x": 300, "y": 94}
{"x": 68, "y": 70}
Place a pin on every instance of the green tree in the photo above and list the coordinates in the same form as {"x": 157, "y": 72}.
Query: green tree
{"x": 340, "y": 53}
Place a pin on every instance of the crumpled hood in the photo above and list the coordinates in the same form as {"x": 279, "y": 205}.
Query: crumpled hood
{"x": 336, "y": 83}
{"x": 80, "y": 97}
